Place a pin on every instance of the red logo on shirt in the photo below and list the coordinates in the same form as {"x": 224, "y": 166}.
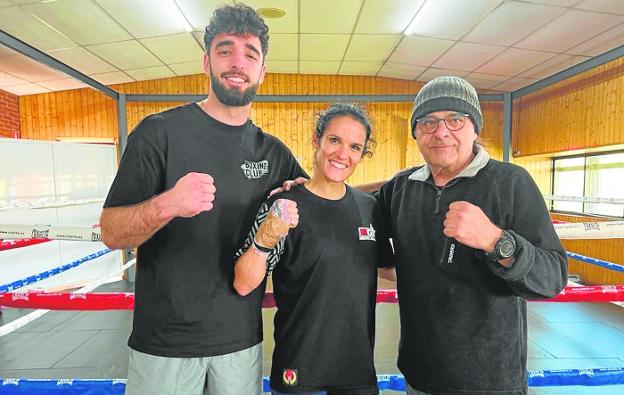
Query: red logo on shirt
{"x": 366, "y": 233}
{"x": 289, "y": 376}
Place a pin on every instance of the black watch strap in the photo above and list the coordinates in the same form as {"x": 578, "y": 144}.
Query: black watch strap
{"x": 504, "y": 248}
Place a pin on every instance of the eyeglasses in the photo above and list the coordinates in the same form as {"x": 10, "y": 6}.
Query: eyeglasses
{"x": 429, "y": 124}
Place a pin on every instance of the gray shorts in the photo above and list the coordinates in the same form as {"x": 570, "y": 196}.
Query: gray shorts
{"x": 230, "y": 374}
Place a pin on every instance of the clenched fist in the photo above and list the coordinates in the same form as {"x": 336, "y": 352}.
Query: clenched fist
{"x": 469, "y": 225}
{"x": 283, "y": 215}
{"x": 191, "y": 195}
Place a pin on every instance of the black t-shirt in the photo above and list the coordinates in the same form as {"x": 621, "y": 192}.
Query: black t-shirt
{"x": 325, "y": 285}
{"x": 185, "y": 303}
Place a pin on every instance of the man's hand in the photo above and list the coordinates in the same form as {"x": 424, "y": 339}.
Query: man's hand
{"x": 469, "y": 225}
{"x": 283, "y": 215}
{"x": 191, "y": 195}
{"x": 288, "y": 184}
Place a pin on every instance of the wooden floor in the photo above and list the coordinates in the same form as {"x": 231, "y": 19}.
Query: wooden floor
{"x": 93, "y": 344}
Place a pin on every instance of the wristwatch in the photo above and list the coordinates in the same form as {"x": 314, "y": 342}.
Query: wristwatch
{"x": 505, "y": 247}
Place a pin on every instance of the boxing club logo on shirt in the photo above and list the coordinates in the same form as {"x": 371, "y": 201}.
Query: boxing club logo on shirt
{"x": 289, "y": 376}
{"x": 366, "y": 233}
{"x": 254, "y": 170}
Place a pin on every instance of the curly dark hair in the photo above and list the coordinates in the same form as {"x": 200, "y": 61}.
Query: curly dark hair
{"x": 238, "y": 19}
{"x": 352, "y": 111}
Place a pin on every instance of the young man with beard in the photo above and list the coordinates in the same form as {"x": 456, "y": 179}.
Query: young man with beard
{"x": 192, "y": 334}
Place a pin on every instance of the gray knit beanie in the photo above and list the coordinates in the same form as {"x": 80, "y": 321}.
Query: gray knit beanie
{"x": 448, "y": 94}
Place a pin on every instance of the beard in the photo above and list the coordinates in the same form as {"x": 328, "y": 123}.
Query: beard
{"x": 232, "y": 97}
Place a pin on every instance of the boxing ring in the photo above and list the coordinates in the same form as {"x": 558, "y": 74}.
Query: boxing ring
{"x": 23, "y": 236}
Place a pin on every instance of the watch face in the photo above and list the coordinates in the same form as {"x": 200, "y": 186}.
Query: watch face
{"x": 506, "y": 248}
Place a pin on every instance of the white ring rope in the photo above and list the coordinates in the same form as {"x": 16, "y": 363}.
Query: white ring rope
{"x": 73, "y": 233}
{"x": 20, "y": 322}
{"x": 590, "y": 230}
{"x": 51, "y": 204}
{"x": 583, "y": 199}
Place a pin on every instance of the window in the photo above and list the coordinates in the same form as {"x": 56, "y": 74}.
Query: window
{"x": 591, "y": 176}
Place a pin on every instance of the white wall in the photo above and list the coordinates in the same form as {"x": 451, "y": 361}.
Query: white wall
{"x": 42, "y": 171}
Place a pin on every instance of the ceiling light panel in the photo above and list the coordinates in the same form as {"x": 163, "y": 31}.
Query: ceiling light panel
{"x": 511, "y": 22}
{"x": 386, "y": 16}
{"x": 329, "y": 16}
{"x": 451, "y": 19}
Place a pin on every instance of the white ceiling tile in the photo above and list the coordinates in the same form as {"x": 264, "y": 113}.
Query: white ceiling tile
{"x": 553, "y": 65}
{"x": 514, "y": 61}
{"x": 283, "y": 47}
{"x": 600, "y": 44}
{"x": 144, "y": 18}
{"x": 452, "y": 19}
{"x": 26, "y": 89}
{"x": 513, "y": 84}
{"x": 386, "y": 16}
{"x": 419, "y": 50}
{"x": 359, "y": 68}
{"x": 282, "y": 66}
{"x": 125, "y": 55}
{"x": 8, "y": 80}
{"x": 485, "y": 81}
{"x": 329, "y": 16}
{"x": 29, "y": 29}
{"x": 115, "y": 77}
{"x": 81, "y": 60}
{"x": 433, "y": 72}
{"x": 289, "y": 23}
{"x": 187, "y": 68}
{"x": 569, "y": 30}
{"x": 611, "y": 6}
{"x": 27, "y": 69}
{"x": 314, "y": 67}
{"x": 200, "y": 38}
{"x": 467, "y": 56}
{"x": 558, "y": 3}
{"x": 83, "y": 21}
{"x": 315, "y": 47}
{"x": 177, "y": 48}
{"x": 403, "y": 71}
{"x": 511, "y": 22}
{"x": 150, "y": 73}
{"x": 62, "y": 84}
{"x": 370, "y": 47}
{"x": 6, "y": 3}
{"x": 199, "y": 13}
{"x": 6, "y": 51}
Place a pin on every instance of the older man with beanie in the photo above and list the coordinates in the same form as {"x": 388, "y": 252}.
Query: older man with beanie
{"x": 474, "y": 241}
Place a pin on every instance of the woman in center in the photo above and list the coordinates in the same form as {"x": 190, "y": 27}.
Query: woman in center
{"x": 323, "y": 243}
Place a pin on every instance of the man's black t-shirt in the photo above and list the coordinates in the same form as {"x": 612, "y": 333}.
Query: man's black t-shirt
{"x": 185, "y": 303}
{"x": 325, "y": 286}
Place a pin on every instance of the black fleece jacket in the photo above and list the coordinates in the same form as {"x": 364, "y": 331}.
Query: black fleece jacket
{"x": 463, "y": 317}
